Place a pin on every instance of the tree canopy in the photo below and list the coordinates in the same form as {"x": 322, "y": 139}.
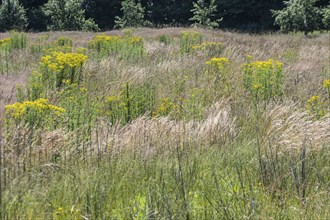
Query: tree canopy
{"x": 252, "y": 15}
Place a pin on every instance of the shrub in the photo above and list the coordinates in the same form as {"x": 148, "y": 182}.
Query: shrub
{"x": 298, "y": 15}
{"x": 67, "y": 15}
{"x": 203, "y": 14}
{"x": 133, "y": 15}
{"x": 12, "y": 16}
{"x": 326, "y": 17}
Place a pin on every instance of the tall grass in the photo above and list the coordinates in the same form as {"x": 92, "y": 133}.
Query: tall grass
{"x": 190, "y": 132}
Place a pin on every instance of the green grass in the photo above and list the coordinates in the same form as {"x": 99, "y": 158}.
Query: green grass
{"x": 150, "y": 131}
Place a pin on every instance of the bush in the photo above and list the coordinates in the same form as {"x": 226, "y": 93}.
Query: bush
{"x": 326, "y": 17}
{"x": 203, "y": 13}
{"x": 67, "y": 15}
{"x": 298, "y": 15}
{"x": 133, "y": 15}
{"x": 12, "y": 16}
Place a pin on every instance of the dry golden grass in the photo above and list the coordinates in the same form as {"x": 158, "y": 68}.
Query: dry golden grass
{"x": 289, "y": 129}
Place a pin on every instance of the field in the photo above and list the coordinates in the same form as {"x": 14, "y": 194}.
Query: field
{"x": 164, "y": 124}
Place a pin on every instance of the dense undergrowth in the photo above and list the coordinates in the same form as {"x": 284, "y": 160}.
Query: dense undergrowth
{"x": 175, "y": 124}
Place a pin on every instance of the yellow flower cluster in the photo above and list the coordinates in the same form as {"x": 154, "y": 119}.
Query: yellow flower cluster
{"x": 5, "y": 41}
{"x": 265, "y": 65}
{"x": 136, "y": 41}
{"x": 58, "y": 61}
{"x": 165, "y": 107}
{"x": 218, "y": 62}
{"x": 316, "y": 106}
{"x": 326, "y": 84}
{"x": 117, "y": 40}
{"x": 19, "y": 110}
{"x": 313, "y": 100}
{"x": 104, "y": 38}
{"x": 263, "y": 79}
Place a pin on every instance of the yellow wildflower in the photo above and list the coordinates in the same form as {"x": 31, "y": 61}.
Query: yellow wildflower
{"x": 326, "y": 84}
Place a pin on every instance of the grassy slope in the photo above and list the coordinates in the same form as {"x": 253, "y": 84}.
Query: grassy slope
{"x": 216, "y": 158}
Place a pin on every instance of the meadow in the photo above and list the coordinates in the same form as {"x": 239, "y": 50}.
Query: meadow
{"x": 164, "y": 124}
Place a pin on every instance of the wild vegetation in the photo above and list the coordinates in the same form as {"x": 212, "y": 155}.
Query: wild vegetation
{"x": 164, "y": 124}
{"x": 249, "y": 16}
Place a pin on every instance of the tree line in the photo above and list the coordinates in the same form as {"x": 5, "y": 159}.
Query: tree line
{"x": 244, "y": 15}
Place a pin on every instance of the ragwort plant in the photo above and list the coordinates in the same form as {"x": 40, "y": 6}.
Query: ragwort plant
{"x": 188, "y": 40}
{"x": 5, "y": 47}
{"x": 218, "y": 75}
{"x": 126, "y": 47}
{"x": 263, "y": 80}
{"x": 59, "y": 66}
{"x": 108, "y": 166}
{"x": 37, "y": 113}
{"x": 16, "y": 41}
{"x": 316, "y": 105}
{"x": 326, "y": 85}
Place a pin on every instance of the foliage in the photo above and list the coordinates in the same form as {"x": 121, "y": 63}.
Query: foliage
{"x": 67, "y": 15}
{"x": 166, "y": 40}
{"x": 58, "y": 67}
{"x": 316, "y": 107}
{"x": 81, "y": 111}
{"x": 209, "y": 47}
{"x": 188, "y": 40}
{"x": 172, "y": 136}
{"x": 326, "y": 17}
{"x": 12, "y": 16}
{"x": 298, "y": 15}
{"x": 131, "y": 102}
{"x": 133, "y": 15}
{"x": 127, "y": 47}
{"x": 34, "y": 113}
{"x": 18, "y": 41}
{"x": 263, "y": 79}
{"x": 203, "y": 14}
{"x": 217, "y": 72}
{"x": 326, "y": 85}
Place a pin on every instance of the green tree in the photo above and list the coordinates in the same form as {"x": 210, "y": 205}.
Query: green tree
{"x": 103, "y": 12}
{"x": 36, "y": 17}
{"x": 12, "y": 16}
{"x": 203, "y": 13}
{"x": 326, "y": 17}
{"x": 67, "y": 15}
{"x": 298, "y": 15}
{"x": 133, "y": 15}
